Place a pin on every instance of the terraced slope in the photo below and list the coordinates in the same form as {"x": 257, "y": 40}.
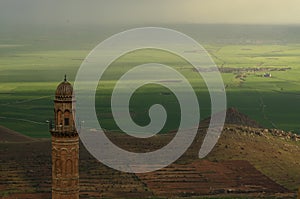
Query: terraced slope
{"x": 204, "y": 177}
{"x": 25, "y": 170}
{"x": 246, "y": 162}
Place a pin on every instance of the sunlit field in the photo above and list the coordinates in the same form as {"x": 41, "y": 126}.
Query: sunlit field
{"x": 31, "y": 66}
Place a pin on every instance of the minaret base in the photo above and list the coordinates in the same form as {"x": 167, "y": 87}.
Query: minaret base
{"x": 65, "y": 174}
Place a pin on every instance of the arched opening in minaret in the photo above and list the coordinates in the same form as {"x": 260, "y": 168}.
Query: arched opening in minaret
{"x": 67, "y": 118}
{"x": 59, "y": 118}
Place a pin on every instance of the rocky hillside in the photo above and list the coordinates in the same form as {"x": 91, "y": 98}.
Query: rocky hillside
{"x": 273, "y": 152}
{"x": 8, "y": 135}
{"x": 233, "y": 116}
{"x": 247, "y": 162}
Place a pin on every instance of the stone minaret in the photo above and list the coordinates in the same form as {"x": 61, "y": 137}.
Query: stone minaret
{"x": 65, "y": 145}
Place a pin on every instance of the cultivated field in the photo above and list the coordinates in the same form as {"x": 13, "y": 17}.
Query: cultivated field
{"x": 33, "y": 63}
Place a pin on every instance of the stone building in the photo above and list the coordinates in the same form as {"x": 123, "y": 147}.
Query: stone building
{"x": 65, "y": 145}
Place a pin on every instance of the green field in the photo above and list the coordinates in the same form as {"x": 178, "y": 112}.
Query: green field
{"x": 31, "y": 66}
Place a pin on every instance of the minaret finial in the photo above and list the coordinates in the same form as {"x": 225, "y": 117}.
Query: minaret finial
{"x": 65, "y": 77}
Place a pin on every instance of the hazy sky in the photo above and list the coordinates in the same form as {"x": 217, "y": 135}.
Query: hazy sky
{"x": 150, "y": 11}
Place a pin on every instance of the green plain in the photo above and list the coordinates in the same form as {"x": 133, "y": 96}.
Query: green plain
{"x": 32, "y": 67}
